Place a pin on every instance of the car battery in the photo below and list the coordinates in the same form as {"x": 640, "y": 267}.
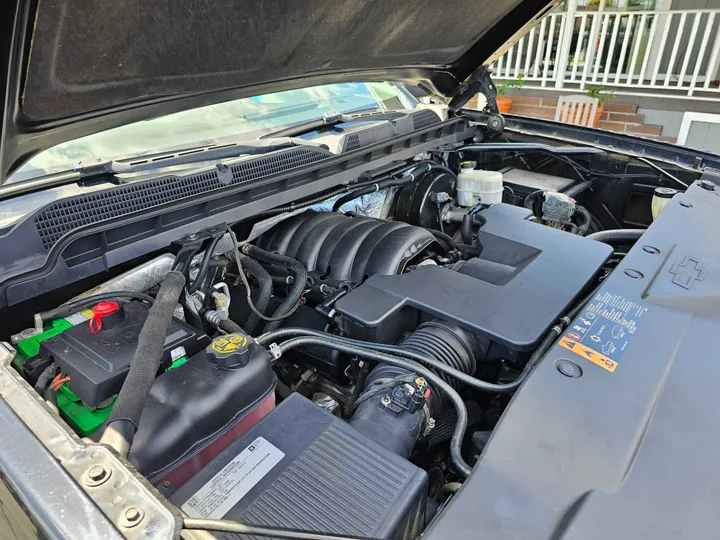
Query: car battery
{"x": 97, "y": 357}
{"x": 303, "y": 468}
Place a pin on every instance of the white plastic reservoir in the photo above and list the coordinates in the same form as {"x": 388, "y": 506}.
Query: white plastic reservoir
{"x": 477, "y": 186}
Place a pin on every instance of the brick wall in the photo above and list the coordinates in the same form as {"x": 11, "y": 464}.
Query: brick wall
{"x": 617, "y": 117}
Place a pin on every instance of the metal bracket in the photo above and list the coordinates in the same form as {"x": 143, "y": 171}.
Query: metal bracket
{"x": 191, "y": 244}
{"x": 479, "y": 82}
{"x": 122, "y": 494}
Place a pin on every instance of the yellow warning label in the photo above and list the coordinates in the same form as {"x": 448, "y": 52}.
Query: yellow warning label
{"x": 586, "y": 352}
{"x": 229, "y": 343}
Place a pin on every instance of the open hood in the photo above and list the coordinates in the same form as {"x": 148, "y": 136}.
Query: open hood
{"x": 75, "y": 67}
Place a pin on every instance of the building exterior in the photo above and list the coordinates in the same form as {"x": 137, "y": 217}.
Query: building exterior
{"x": 659, "y": 59}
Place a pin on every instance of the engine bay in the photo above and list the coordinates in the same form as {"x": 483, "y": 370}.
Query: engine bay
{"x": 340, "y": 365}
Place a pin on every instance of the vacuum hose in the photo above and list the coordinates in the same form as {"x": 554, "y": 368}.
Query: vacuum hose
{"x": 265, "y": 292}
{"x": 618, "y": 237}
{"x": 296, "y": 269}
{"x": 125, "y": 416}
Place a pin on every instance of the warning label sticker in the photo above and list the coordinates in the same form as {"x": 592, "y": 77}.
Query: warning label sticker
{"x": 224, "y": 490}
{"x": 603, "y": 330}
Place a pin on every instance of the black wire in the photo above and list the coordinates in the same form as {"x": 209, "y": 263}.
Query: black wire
{"x": 78, "y": 305}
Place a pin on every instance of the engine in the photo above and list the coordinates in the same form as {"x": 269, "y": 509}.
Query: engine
{"x": 338, "y": 372}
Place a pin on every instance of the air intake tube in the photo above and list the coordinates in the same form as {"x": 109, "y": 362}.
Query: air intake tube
{"x": 396, "y": 406}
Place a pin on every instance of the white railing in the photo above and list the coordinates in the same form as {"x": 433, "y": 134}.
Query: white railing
{"x": 666, "y": 53}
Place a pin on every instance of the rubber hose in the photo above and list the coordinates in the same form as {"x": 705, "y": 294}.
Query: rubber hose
{"x": 461, "y": 466}
{"x": 265, "y": 285}
{"x": 202, "y": 271}
{"x": 577, "y": 189}
{"x": 78, "y": 305}
{"x": 303, "y": 204}
{"x": 296, "y": 269}
{"x": 471, "y": 381}
{"x": 131, "y": 399}
{"x": 445, "y": 239}
{"x": 231, "y": 327}
{"x": 382, "y": 183}
{"x": 445, "y": 342}
{"x": 466, "y": 232}
{"x": 584, "y": 219}
{"x": 615, "y": 237}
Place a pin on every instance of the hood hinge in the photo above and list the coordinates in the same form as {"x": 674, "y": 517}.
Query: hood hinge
{"x": 479, "y": 82}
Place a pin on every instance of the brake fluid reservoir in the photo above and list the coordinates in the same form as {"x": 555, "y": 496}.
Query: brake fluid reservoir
{"x": 478, "y": 186}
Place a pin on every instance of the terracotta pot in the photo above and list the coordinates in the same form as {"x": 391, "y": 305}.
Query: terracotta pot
{"x": 598, "y": 116}
{"x": 504, "y": 104}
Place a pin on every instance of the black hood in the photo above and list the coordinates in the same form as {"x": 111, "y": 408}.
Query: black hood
{"x": 76, "y": 67}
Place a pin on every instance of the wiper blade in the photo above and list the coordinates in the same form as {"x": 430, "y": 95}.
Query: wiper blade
{"x": 333, "y": 119}
{"x": 88, "y": 168}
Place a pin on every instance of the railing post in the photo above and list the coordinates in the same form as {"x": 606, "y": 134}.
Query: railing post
{"x": 565, "y": 41}
{"x": 590, "y": 57}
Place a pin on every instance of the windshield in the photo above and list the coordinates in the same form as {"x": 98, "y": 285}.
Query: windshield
{"x": 243, "y": 119}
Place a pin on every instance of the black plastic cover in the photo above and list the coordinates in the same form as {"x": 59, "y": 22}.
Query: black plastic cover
{"x": 346, "y": 248}
{"x": 527, "y": 277}
{"x": 329, "y": 478}
{"x": 97, "y": 364}
{"x": 628, "y": 453}
{"x": 190, "y": 406}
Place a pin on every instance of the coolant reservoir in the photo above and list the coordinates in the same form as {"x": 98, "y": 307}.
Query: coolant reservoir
{"x": 477, "y": 186}
{"x": 661, "y": 198}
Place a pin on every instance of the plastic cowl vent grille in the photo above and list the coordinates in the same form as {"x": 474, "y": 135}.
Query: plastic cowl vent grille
{"x": 321, "y": 487}
{"x": 352, "y": 142}
{"x": 423, "y": 119}
{"x": 64, "y": 216}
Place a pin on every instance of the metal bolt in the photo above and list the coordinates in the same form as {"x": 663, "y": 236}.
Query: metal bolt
{"x": 166, "y": 485}
{"x": 97, "y": 475}
{"x": 98, "y": 472}
{"x": 385, "y": 400}
{"x": 131, "y": 517}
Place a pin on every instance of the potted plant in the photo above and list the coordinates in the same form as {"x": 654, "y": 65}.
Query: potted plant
{"x": 602, "y": 94}
{"x": 504, "y": 103}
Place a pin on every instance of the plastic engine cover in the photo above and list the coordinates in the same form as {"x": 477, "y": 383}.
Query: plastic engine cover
{"x": 303, "y": 468}
{"x": 196, "y": 410}
{"x": 528, "y": 275}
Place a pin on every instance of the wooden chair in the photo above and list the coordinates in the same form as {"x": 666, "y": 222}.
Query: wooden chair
{"x": 576, "y": 110}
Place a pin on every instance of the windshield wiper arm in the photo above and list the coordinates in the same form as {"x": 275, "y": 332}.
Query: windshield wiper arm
{"x": 333, "y": 119}
{"x": 88, "y": 169}
{"x": 95, "y": 167}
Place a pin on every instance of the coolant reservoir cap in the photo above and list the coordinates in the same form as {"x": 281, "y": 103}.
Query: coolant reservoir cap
{"x": 229, "y": 351}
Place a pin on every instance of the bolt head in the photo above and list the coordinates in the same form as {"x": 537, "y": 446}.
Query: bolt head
{"x": 132, "y": 514}
{"x": 97, "y": 472}
{"x": 385, "y": 400}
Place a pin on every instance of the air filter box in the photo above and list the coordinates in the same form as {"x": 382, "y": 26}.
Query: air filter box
{"x": 300, "y": 467}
